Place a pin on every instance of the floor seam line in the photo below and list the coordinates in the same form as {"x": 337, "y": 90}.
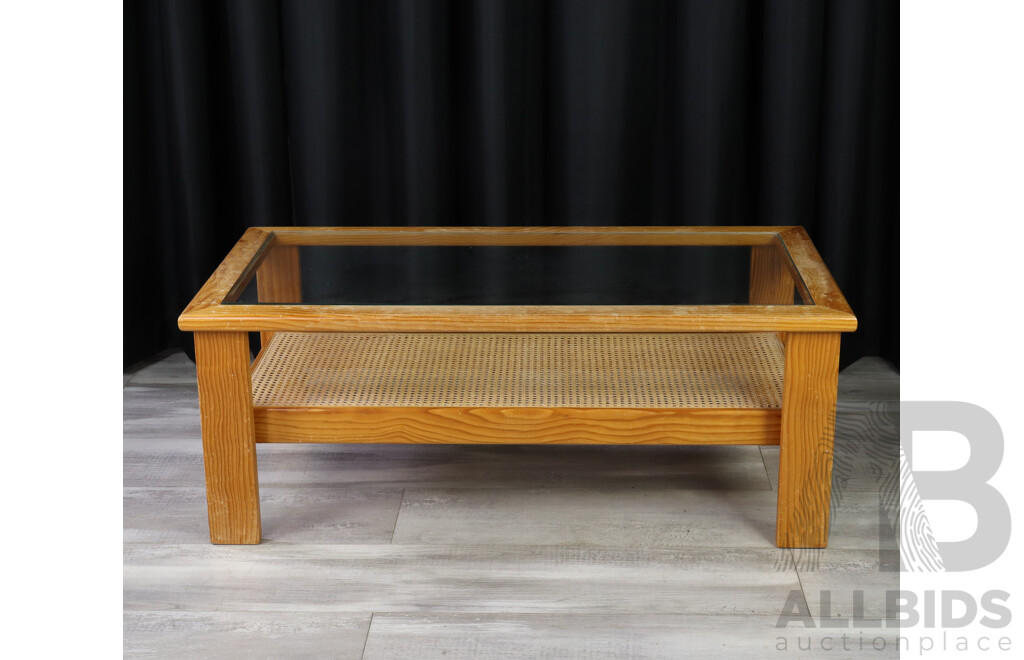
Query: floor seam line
{"x": 764, "y": 464}
{"x": 799, "y": 580}
{"x": 398, "y": 514}
{"x": 367, "y": 638}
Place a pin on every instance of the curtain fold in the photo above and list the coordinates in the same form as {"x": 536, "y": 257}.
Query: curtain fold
{"x": 576, "y": 112}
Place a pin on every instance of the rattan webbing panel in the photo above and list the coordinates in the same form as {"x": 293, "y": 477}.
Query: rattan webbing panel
{"x": 712, "y": 370}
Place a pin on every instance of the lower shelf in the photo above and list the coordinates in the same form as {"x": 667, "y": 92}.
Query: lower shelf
{"x": 723, "y": 388}
{"x": 724, "y": 370}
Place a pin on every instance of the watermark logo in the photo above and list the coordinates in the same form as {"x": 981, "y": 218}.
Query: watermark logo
{"x": 867, "y": 446}
{"x": 949, "y": 608}
{"x": 906, "y": 538}
{"x": 919, "y": 550}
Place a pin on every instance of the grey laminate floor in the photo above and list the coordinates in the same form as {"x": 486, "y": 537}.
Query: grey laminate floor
{"x": 378, "y": 551}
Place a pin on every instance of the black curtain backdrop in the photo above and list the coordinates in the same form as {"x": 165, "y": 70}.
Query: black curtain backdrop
{"x": 582, "y": 112}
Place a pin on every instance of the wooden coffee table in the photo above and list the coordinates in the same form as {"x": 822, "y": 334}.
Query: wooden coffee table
{"x": 520, "y": 335}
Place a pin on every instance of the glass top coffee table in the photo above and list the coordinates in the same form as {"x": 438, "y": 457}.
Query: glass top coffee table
{"x": 520, "y": 335}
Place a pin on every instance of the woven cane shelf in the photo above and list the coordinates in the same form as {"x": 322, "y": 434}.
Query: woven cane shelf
{"x": 614, "y": 370}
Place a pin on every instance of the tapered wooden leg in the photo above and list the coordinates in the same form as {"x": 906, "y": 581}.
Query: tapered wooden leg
{"x": 279, "y": 280}
{"x": 229, "y": 440}
{"x": 808, "y": 429}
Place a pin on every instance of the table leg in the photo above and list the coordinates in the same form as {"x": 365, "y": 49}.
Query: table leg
{"x": 770, "y": 282}
{"x": 279, "y": 280}
{"x": 808, "y": 429}
{"x": 229, "y": 439}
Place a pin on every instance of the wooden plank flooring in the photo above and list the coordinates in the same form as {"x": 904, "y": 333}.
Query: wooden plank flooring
{"x": 407, "y": 551}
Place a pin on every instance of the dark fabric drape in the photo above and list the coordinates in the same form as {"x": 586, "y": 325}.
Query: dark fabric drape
{"x": 577, "y": 112}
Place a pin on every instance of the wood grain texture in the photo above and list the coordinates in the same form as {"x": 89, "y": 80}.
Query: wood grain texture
{"x": 336, "y": 513}
{"x": 649, "y": 513}
{"x": 513, "y": 577}
{"x": 525, "y": 235}
{"x": 617, "y": 426}
{"x": 634, "y": 515}
{"x": 829, "y": 313}
{"x": 815, "y": 274}
{"x": 229, "y": 451}
{"x": 770, "y": 281}
{"x": 668, "y": 636}
{"x": 310, "y": 592}
{"x": 398, "y": 466}
{"x": 169, "y": 635}
{"x": 527, "y": 318}
{"x": 233, "y": 273}
{"x": 807, "y": 434}
{"x": 838, "y": 574}
{"x": 279, "y": 280}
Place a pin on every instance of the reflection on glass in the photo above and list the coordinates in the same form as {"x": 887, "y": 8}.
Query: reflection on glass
{"x": 522, "y": 275}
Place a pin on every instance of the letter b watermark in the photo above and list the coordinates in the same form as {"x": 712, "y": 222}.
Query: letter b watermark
{"x": 968, "y": 483}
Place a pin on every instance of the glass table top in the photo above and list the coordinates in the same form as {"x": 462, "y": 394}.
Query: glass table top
{"x": 519, "y": 275}
{"x": 521, "y": 279}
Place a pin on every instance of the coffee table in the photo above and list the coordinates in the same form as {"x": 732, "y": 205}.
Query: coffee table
{"x": 520, "y": 335}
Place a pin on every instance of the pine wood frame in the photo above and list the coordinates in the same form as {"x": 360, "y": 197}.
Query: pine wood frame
{"x": 782, "y": 259}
